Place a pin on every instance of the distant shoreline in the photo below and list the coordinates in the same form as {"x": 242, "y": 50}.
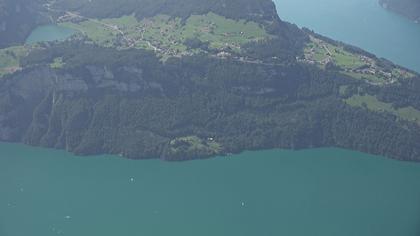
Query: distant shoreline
{"x": 404, "y": 9}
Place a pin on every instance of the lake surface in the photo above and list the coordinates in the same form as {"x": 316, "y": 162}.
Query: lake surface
{"x": 363, "y": 23}
{"x": 320, "y": 192}
{"x": 49, "y": 33}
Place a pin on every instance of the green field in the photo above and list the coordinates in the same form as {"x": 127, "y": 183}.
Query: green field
{"x": 220, "y": 31}
{"x": 320, "y": 53}
{"x": 373, "y": 104}
{"x": 366, "y": 77}
{"x": 167, "y": 35}
{"x": 339, "y": 56}
{"x": 9, "y": 59}
{"x": 57, "y": 63}
{"x": 194, "y": 144}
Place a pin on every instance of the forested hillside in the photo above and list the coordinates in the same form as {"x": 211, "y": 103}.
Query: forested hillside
{"x": 171, "y": 80}
{"x": 17, "y": 19}
{"x": 255, "y": 10}
{"x": 129, "y": 103}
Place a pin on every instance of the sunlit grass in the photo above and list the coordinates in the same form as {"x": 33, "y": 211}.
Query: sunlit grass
{"x": 167, "y": 34}
{"x": 372, "y": 103}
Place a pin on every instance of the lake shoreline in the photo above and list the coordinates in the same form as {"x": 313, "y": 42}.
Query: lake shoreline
{"x": 49, "y": 32}
{"x": 227, "y": 155}
{"x": 397, "y": 41}
{"x": 52, "y": 191}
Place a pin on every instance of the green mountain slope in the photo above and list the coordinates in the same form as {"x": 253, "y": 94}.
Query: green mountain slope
{"x": 180, "y": 82}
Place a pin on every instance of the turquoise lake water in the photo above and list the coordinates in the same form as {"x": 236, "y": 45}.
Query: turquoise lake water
{"x": 49, "y": 33}
{"x": 363, "y": 23}
{"x": 320, "y": 192}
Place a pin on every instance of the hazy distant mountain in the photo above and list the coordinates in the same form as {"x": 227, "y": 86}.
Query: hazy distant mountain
{"x": 408, "y": 8}
{"x": 182, "y": 79}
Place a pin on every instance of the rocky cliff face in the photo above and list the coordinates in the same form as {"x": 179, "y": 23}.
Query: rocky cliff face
{"x": 42, "y": 106}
